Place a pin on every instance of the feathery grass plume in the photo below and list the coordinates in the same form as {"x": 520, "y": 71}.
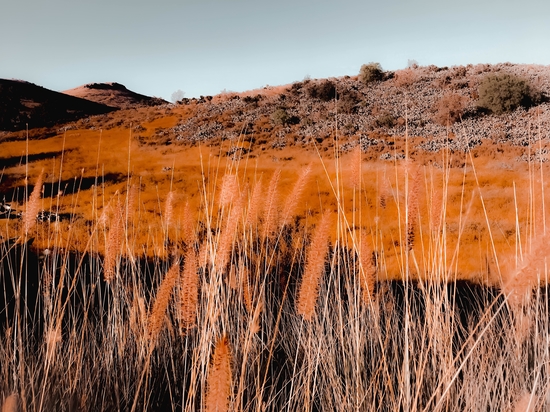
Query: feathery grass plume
{"x": 518, "y": 284}
{"x": 47, "y": 279}
{"x": 270, "y": 206}
{"x": 52, "y": 339}
{"x": 315, "y": 265}
{"x": 436, "y": 207}
{"x": 188, "y": 225}
{"x": 169, "y": 209}
{"x": 356, "y": 158}
{"x": 295, "y": 196}
{"x": 245, "y": 282}
{"x": 204, "y": 254}
{"x": 412, "y": 208}
{"x": 219, "y": 378}
{"x": 133, "y": 193}
{"x": 229, "y": 189}
{"x": 138, "y": 316}
{"x": 131, "y": 205}
{"x": 367, "y": 271}
{"x": 525, "y": 404}
{"x": 225, "y": 243}
{"x": 103, "y": 218}
{"x": 383, "y": 192}
{"x": 254, "y": 324}
{"x": 155, "y": 322}
{"x": 33, "y": 205}
{"x": 11, "y": 403}
{"x": 189, "y": 291}
{"x": 114, "y": 242}
{"x": 255, "y": 204}
{"x": 232, "y": 277}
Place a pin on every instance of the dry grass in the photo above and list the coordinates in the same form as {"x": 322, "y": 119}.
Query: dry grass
{"x": 189, "y": 291}
{"x": 11, "y": 403}
{"x": 219, "y": 378}
{"x": 292, "y": 294}
{"x": 308, "y": 292}
{"x": 33, "y": 206}
{"x": 162, "y": 299}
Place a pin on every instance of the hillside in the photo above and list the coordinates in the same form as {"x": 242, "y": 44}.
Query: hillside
{"x": 114, "y": 95}
{"x": 320, "y": 122}
{"x": 23, "y": 103}
{"x": 410, "y": 99}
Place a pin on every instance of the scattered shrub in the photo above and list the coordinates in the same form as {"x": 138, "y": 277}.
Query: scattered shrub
{"x": 458, "y": 84}
{"x": 504, "y": 92}
{"x": 296, "y": 88}
{"x": 459, "y": 71}
{"x": 386, "y": 120}
{"x": 371, "y": 72}
{"x": 406, "y": 77}
{"x": 348, "y": 101}
{"x": 434, "y": 69}
{"x": 449, "y": 109}
{"x": 280, "y": 117}
{"x": 252, "y": 100}
{"x": 325, "y": 90}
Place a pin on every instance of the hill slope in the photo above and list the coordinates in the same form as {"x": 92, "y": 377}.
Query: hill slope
{"x": 24, "y": 103}
{"x": 113, "y": 94}
{"x": 394, "y": 127}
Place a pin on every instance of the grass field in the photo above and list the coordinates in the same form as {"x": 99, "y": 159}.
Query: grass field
{"x": 297, "y": 279}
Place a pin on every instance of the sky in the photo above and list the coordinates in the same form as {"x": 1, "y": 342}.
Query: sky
{"x": 204, "y": 47}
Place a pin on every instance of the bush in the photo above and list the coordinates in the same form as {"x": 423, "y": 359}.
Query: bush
{"x": 449, "y": 109}
{"x": 386, "y": 121}
{"x": 280, "y": 117}
{"x": 371, "y": 72}
{"x": 348, "y": 101}
{"x": 296, "y": 88}
{"x": 504, "y": 92}
{"x": 325, "y": 91}
{"x": 406, "y": 77}
{"x": 252, "y": 100}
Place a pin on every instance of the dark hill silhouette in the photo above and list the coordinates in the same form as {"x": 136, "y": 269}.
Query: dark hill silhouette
{"x": 114, "y": 95}
{"x": 23, "y": 103}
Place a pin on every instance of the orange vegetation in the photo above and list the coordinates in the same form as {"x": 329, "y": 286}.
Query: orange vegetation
{"x": 489, "y": 210}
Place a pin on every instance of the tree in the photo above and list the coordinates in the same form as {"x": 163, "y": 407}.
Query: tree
{"x": 504, "y": 92}
{"x": 370, "y": 73}
{"x": 325, "y": 90}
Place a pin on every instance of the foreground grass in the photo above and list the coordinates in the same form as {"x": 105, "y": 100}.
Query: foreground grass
{"x": 243, "y": 299}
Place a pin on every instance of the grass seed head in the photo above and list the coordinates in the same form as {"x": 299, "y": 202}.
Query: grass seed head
{"x": 219, "y": 378}
{"x": 315, "y": 265}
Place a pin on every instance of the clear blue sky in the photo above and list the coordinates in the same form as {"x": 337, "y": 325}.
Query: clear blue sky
{"x": 205, "y": 46}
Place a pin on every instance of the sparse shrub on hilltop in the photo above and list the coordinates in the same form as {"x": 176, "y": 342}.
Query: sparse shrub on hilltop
{"x": 252, "y": 100}
{"x": 504, "y": 92}
{"x": 297, "y": 88}
{"x": 449, "y": 109}
{"x": 406, "y": 77}
{"x": 371, "y": 72}
{"x": 459, "y": 71}
{"x": 325, "y": 90}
